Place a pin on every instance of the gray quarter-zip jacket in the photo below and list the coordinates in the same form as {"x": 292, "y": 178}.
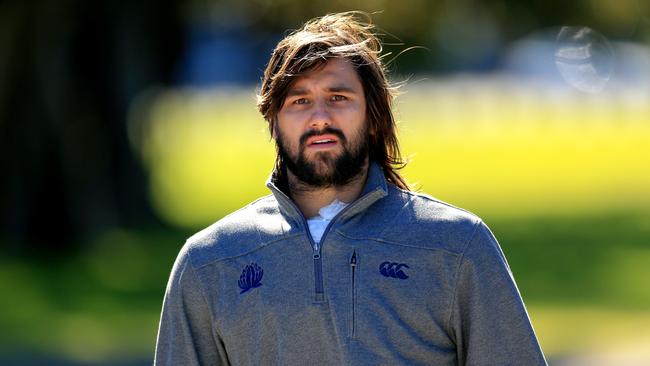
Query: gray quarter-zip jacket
{"x": 399, "y": 279}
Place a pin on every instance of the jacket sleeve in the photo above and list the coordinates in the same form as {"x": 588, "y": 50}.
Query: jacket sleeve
{"x": 489, "y": 322}
{"x": 186, "y": 335}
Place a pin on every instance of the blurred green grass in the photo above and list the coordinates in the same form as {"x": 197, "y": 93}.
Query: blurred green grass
{"x": 584, "y": 279}
{"x": 99, "y": 305}
{"x": 602, "y": 259}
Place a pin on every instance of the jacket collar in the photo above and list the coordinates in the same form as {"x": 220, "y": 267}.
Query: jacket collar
{"x": 375, "y": 188}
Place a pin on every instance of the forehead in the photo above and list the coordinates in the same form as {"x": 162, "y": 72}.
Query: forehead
{"x": 334, "y": 71}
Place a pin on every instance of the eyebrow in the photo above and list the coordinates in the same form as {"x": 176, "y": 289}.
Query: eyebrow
{"x": 341, "y": 88}
{"x": 296, "y": 91}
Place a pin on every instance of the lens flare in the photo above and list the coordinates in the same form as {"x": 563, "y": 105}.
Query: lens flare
{"x": 584, "y": 58}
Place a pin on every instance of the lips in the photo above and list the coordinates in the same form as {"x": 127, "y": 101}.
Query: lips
{"x": 322, "y": 141}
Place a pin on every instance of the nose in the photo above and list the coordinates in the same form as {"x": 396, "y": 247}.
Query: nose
{"x": 320, "y": 116}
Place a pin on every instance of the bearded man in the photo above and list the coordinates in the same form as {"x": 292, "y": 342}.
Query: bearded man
{"x": 342, "y": 263}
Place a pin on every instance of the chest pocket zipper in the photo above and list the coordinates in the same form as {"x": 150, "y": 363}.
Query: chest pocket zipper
{"x": 353, "y": 269}
{"x": 318, "y": 278}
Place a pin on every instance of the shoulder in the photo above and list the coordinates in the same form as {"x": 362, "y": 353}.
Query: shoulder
{"x": 236, "y": 234}
{"x": 429, "y": 222}
{"x": 429, "y": 207}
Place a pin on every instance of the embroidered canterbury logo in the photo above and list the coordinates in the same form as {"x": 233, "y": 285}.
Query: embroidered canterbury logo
{"x": 394, "y": 270}
{"x": 251, "y": 277}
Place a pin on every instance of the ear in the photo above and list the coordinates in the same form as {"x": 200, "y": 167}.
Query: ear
{"x": 273, "y": 128}
{"x": 372, "y": 130}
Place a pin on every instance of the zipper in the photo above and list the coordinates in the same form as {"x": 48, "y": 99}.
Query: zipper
{"x": 353, "y": 267}
{"x": 319, "y": 293}
{"x": 318, "y": 277}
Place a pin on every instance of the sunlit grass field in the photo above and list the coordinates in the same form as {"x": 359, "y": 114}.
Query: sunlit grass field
{"x": 562, "y": 178}
{"x": 490, "y": 146}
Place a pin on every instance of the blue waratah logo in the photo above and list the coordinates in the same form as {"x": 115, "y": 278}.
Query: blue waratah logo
{"x": 250, "y": 277}
{"x": 394, "y": 270}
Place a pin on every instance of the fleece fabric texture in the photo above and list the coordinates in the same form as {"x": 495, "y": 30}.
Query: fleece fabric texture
{"x": 399, "y": 279}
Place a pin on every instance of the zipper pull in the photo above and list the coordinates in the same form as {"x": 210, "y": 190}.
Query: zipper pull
{"x": 353, "y": 260}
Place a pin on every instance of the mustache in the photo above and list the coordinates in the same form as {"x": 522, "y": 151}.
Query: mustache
{"x": 325, "y": 131}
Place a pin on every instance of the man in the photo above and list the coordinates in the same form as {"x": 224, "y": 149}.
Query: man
{"x": 342, "y": 264}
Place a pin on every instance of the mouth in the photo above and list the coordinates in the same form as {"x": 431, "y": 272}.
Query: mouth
{"x": 323, "y": 141}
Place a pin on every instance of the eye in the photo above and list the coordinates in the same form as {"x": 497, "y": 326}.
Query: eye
{"x": 338, "y": 98}
{"x": 301, "y": 101}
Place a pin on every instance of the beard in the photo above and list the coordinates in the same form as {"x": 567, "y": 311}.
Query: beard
{"x": 326, "y": 169}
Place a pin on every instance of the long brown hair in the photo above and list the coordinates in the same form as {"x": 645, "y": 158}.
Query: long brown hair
{"x": 331, "y": 36}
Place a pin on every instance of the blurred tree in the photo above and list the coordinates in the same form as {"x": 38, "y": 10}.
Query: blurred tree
{"x": 70, "y": 69}
{"x": 68, "y": 72}
{"x": 457, "y": 35}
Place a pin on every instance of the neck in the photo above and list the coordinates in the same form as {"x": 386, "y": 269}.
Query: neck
{"x": 310, "y": 199}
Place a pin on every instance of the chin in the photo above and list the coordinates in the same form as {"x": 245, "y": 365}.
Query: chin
{"x": 324, "y": 169}
{"x": 328, "y": 154}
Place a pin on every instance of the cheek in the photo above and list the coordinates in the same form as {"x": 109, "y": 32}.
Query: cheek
{"x": 357, "y": 112}
{"x": 289, "y": 142}
{"x": 356, "y": 123}
{"x": 287, "y": 123}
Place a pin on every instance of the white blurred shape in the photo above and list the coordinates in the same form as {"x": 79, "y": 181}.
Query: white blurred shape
{"x": 584, "y": 58}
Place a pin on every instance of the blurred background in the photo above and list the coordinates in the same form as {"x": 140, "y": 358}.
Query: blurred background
{"x": 127, "y": 126}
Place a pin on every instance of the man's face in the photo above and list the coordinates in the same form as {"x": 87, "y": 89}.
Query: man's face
{"x": 321, "y": 128}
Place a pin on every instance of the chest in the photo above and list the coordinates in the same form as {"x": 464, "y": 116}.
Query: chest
{"x": 369, "y": 290}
